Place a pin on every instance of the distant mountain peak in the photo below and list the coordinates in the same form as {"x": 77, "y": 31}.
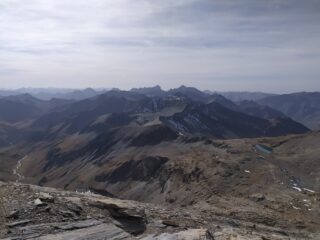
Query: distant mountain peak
{"x": 89, "y": 90}
{"x": 186, "y": 88}
{"x": 21, "y": 98}
{"x": 157, "y": 87}
{"x": 149, "y": 91}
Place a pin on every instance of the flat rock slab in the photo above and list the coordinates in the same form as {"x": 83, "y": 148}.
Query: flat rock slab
{"x": 99, "y": 232}
{"x": 80, "y": 224}
{"x": 126, "y": 215}
{"x": 17, "y": 224}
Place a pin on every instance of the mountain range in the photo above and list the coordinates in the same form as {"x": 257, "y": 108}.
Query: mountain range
{"x": 249, "y": 161}
{"x": 183, "y": 110}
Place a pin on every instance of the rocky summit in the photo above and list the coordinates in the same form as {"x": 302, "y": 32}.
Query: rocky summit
{"x": 32, "y": 212}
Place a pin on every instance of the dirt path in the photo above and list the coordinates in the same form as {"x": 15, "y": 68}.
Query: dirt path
{"x": 17, "y": 168}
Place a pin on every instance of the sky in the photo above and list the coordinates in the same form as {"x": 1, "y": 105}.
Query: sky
{"x": 236, "y": 45}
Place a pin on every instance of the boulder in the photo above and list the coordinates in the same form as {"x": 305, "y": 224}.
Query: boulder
{"x": 258, "y": 197}
{"x": 39, "y": 203}
{"x": 13, "y": 214}
{"x": 45, "y": 197}
{"x": 127, "y": 217}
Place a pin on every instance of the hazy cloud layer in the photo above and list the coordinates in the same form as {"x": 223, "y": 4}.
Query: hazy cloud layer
{"x": 263, "y": 45}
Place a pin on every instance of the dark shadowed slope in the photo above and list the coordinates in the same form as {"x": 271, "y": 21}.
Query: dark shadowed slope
{"x": 215, "y": 120}
{"x": 255, "y": 109}
{"x": 303, "y": 107}
{"x": 25, "y": 107}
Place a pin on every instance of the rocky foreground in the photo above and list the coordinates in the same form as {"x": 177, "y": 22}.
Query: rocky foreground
{"x": 31, "y": 212}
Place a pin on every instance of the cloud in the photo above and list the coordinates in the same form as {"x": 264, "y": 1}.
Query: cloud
{"x": 7, "y": 71}
{"x": 207, "y": 43}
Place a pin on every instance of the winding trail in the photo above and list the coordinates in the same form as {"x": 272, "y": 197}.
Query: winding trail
{"x": 16, "y": 170}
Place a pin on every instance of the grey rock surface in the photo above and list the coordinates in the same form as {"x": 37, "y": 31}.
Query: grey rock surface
{"x": 71, "y": 216}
